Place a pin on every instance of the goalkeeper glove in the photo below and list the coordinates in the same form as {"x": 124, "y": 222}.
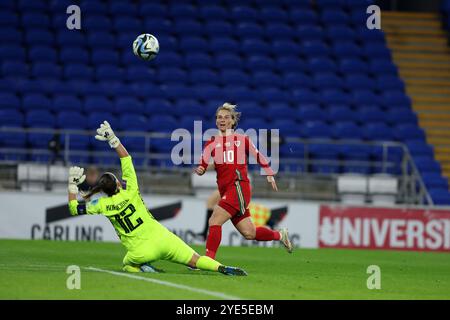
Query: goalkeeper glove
{"x": 105, "y": 133}
{"x": 76, "y": 177}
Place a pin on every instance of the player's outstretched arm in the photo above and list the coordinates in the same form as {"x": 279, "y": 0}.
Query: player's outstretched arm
{"x": 105, "y": 133}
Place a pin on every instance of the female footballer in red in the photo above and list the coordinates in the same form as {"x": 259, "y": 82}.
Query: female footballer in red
{"x": 230, "y": 152}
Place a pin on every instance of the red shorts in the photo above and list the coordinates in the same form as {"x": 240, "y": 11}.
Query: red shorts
{"x": 235, "y": 200}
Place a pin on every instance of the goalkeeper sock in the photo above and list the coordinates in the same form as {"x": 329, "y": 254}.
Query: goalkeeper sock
{"x": 213, "y": 241}
{"x": 266, "y": 234}
{"x": 206, "y": 263}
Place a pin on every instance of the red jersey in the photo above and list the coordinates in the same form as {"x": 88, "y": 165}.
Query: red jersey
{"x": 230, "y": 155}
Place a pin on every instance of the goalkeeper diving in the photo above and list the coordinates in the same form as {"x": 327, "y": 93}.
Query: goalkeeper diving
{"x": 145, "y": 239}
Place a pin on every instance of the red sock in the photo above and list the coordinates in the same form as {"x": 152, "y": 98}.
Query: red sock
{"x": 266, "y": 234}
{"x": 213, "y": 241}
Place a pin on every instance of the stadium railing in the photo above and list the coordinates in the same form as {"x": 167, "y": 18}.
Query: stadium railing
{"x": 306, "y": 183}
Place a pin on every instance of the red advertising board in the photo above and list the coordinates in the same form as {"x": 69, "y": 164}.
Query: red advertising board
{"x": 384, "y": 228}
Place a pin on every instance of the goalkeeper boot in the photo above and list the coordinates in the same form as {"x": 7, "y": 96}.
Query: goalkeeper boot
{"x": 285, "y": 240}
{"x": 193, "y": 268}
{"x": 147, "y": 268}
{"x": 231, "y": 271}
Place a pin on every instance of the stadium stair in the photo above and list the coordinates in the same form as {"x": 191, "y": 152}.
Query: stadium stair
{"x": 421, "y": 52}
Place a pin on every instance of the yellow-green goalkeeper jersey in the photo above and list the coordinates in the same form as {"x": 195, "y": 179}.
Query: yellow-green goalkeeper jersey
{"x": 126, "y": 210}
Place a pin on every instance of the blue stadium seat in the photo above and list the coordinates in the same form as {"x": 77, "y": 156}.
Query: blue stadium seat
{"x": 197, "y": 60}
{"x": 234, "y": 76}
{"x": 301, "y": 16}
{"x": 279, "y": 111}
{"x": 334, "y": 17}
{"x": 435, "y": 181}
{"x": 396, "y": 99}
{"x": 94, "y": 7}
{"x": 427, "y": 165}
{"x": 40, "y": 37}
{"x": 198, "y": 76}
{"x": 67, "y": 38}
{"x": 167, "y": 59}
{"x": 272, "y": 13}
{"x": 12, "y": 52}
{"x": 71, "y": 120}
{"x": 101, "y": 39}
{"x": 9, "y": 19}
{"x": 404, "y": 132}
{"x": 218, "y": 29}
{"x": 315, "y": 48}
{"x": 271, "y": 95}
{"x": 127, "y": 24}
{"x": 159, "y": 26}
{"x": 290, "y": 64}
{"x": 45, "y": 70}
{"x": 371, "y": 114}
{"x": 353, "y": 66}
{"x": 383, "y": 67}
{"x": 35, "y": 101}
{"x": 9, "y": 101}
{"x": 376, "y": 51}
{"x": 264, "y": 79}
{"x": 171, "y": 75}
{"x": 259, "y": 62}
{"x": 15, "y": 69}
{"x": 40, "y": 119}
{"x": 390, "y": 82}
{"x": 378, "y": 131}
{"x": 309, "y": 113}
{"x": 216, "y": 45}
{"x": 94, "y": 119}
{"x": 440, "y": 196}
{"x": 285, "y": 47}
{"x": 128, "y": 105}
{"x": 188, "y": 27}
{"x": 193, "y": 43}
{"x": 249, "y": 29}
{"x": 67, "y": 103}
{"x": 78, "y": 71}
{"x": 104, "y": 56}
{"x": 11, "y": 118}
{"x": 333, "y": 96}
{"x": 305, "y": 96}
{"x": 157, "y": 106}
{"x": 309, "y": 33}
{"x": 13, "y": 139}
{"x": 346, "y": 49}
{"x": 73, "y": 55}
{"x": 35, "y": 19}
{"x": 228, "y": 60}
{"x": 327, "y": 80}
{"x": 162, "y": 123}
{"x": 358, "y": 81}
{"x": 215, "y": 12}
{"x": 401, "y": 116}
{"x": 112, "y": 72}
{"x": 419, "y": 148}
{"x": 340, "y": 113}
{"x": 345, "y": 129}
{"x": 42, "y": 53}
{"x": 279, "y": 31}
{"x": 182, "y": 11}
{"x": 244, "y": 13}
{"x": 321, "y": 64}
{"x": 297, "y": 80}
{"x": 340, "y": 33}
{"x": 365, "y": 98}
{"x": 10, "y": 35}
{"x": 255, "y": 46}
{"x": 287, "y": 127}
{"x": 121, "y": 8}
{"x": 97, "y": 103}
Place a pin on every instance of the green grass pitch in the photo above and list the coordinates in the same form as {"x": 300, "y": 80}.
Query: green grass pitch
{"x": 37, "y": 270}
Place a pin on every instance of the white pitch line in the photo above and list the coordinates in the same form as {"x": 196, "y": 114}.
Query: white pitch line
{"x": 169, "y": 284}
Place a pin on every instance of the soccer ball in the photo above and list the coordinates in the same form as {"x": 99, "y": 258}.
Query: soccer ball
{"x": 146, "y": 46}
